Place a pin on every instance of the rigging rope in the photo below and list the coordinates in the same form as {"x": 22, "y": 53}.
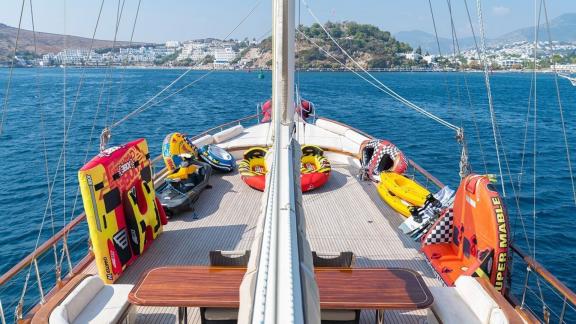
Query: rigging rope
{"x": 560, "y": 108}
{"x": 65, "y": 131}
{"x": 384, "y": 87}
{"x": 144, "y": 106}
{"x": 484, "y": 60}
{"x": 537, "y": 14}
{"x": 7, "y": 93}
{"x": 124, "y": 68}
{"x": 51, "y": 187}
{"x": 43, "y": 134}
{"x": 119, "y": 12}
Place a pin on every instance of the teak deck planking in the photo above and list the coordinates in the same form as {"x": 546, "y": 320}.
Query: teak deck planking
{"x": 344, "y": 215}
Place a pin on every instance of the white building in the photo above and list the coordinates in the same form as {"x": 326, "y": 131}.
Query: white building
{"x": 223, "y": 56}
{"x": 413, "y": 56}
{"x": 508, "y": 63}
{"x": 172, "y": 44}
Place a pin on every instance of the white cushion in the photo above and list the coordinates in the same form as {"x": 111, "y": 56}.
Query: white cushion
{"x": 244, "y": 142}
{"x": 228, "y": 133}
{"x": 350, "y": 146}
{"x": 450, "y": 308}
{"x": 221, "y": 314}
{"x": 81, "y": 296}
{"x": 333, "y": 127}
{"x": 59, "y": 315}
{"x": 355, "y": 137}
{"x": 107, "y": 306}
{"x": 337, "y": 314}
{"x": 498, "y": 317}
{"x": 330, "y": 143}
{"x": 204, "y": 140}
{"x": 473, "y": 294}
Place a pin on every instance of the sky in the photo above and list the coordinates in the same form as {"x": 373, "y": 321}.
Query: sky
{"x": 162, "y": 20}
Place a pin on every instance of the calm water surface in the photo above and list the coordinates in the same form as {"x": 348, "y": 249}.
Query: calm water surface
{"x": 225, "y": 96}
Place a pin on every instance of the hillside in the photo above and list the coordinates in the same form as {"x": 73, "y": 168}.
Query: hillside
{"x": 428, "y": 42}
{"x": 367, "y": 44}
{"x": 562, "y": 28}
{"x": 46, "y": 42}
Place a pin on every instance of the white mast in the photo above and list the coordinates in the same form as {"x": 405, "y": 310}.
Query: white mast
{"x": 279, "y": 286}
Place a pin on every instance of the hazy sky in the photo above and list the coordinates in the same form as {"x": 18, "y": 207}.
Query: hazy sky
{"x": 162, "y": 20}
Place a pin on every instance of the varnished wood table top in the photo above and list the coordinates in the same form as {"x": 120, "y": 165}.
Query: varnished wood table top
{"x": 354, "y": 288}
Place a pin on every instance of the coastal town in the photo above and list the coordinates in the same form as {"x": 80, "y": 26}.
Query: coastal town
{"x": 249, "y": 54}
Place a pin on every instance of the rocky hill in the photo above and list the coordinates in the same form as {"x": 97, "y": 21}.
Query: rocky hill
{"x": 367, "y": 44}
{"x": 46, "y": 42}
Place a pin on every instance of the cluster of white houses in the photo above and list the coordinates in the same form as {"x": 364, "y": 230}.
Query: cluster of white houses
{"x": 129, "y": 56}
{"x": 222, "y": 53}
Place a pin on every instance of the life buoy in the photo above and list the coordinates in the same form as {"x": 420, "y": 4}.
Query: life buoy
{"x": 315, "y": 168}
{"x": 174, "y": 145}
{"x": 253, "y": 168}
{"x": 380, "y": 156}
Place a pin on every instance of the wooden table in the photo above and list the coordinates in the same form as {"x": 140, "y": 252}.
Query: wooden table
{"x": 354, "y": 288}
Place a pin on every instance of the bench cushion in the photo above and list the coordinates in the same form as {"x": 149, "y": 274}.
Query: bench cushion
{"x": 92, "y": 302}
{"x": 227, "y": 133}
{"x": 332, "y": 127}
{"x": 108, "y": 305}
{"x": 81, "y": 296}
{"x": 472, "y": 293}
{"x": 204, "y": 140}
{"x": 450, "y": 308}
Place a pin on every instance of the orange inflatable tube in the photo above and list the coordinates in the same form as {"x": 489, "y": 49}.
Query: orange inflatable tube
{"x": 472, "y": 238}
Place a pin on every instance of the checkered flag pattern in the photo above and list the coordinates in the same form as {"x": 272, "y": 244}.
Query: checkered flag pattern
{"x": 442, "y": 231}
{"x": 380, "y": 149}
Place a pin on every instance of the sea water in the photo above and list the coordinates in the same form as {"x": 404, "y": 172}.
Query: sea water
{"x": 78, "y": 100}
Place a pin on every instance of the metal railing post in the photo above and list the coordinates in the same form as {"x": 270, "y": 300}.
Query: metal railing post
{"x": 2, "y": 317}
{"x": 65, "y": 242}
{"x": 528, "y": 270}
{"x": 562, "y": 313}
{"x": 39, "y": 279}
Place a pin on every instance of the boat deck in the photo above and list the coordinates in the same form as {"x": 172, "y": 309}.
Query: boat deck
{"x": 345, "y": 215}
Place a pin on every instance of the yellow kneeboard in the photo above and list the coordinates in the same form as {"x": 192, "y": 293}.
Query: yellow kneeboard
{"x": 404, "y": 188}
{"x": 399, "y": 205}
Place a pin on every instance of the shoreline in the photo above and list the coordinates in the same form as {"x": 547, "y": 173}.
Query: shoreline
{"x": 137, "y": 67}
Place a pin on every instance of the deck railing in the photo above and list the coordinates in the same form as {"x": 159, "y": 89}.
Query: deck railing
{"x": 58, "y": 242}
{"x": 529, "y": 296}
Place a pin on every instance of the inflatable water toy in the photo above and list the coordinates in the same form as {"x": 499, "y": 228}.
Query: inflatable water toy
{"x": 379, "y": 156}
{"x": 182, "y": 188}
{"x": 315, "y": 168}
{"x": 253, "y": 168}
{"x": 266, "y": 111}
{"x": 123, "y": 214}
{"x": 305, "y": 109}
{"x": 174, "y": 145}
{"x": 217, "y": 157}
{"x": 406, "y": 189}
{"x": 401, "y": 206}
{"x": 472, "y": 238}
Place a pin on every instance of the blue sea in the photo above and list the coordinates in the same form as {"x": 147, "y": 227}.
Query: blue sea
{"x": 46, "y": 96}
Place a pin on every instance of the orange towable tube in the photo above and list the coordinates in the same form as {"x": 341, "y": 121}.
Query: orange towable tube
{"x": 472, "y": 238}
